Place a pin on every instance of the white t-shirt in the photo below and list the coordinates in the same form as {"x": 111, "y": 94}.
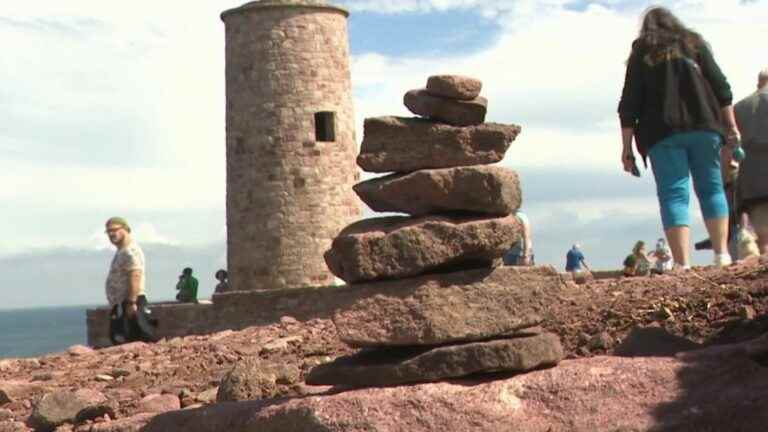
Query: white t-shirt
{"x": 128, "y": 258}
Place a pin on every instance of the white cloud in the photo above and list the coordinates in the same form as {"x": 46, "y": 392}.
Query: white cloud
{"x": 120, "y": 106}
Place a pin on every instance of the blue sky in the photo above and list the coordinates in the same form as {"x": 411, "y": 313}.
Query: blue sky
{"x": 118, "y": 108}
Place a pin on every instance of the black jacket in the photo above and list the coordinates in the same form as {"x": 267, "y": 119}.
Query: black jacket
{"x": 669, "y": 92}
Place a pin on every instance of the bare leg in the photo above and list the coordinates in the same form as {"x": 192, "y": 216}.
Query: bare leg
{"x": 678, "y": 238}
{"x": 718, "y": 233}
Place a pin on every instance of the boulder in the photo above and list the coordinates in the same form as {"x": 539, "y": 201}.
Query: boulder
{"x": 398, "y": 247}
{"x": 394, "y": 366}
{"x": 408, "y": 144}
{"x": 14, "y": 390}
{"x": 253, "y": 378}
{"x": 157, "y": 403}
{"x": 726, "y": 392}
{"x": 63, "y": 406}
{"x": 454, "y": 112}
{"x": 448, "y": 308}
{"x": 478, "y": 189}
{"x": 653, "y": 341}
{"x": 454, "y": 87}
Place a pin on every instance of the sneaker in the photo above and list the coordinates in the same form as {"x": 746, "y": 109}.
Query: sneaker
{"x": 677, "y": 268}
{"x": 723, "y": 260}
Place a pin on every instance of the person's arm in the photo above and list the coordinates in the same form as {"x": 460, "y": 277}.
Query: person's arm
{"x": 630, "y": 107}
{"x": 722, "y": 89}
{"x": 528, "y": 243}
{"x": 134, "y": 285}
{"x": 584, "y": 263}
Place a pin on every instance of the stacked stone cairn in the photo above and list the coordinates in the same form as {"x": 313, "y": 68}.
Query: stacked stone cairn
{"x": 426, "y": 301}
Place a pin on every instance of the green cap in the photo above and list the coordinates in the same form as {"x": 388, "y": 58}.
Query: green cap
{"x": 116, "y": 220}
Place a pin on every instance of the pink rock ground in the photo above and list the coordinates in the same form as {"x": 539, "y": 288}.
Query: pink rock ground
{"x": 710, "y": 390}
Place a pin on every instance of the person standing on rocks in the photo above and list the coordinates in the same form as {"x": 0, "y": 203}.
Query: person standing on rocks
{"x": 752, "y": 185}
{"x": 125, "y": 287}
{"x": 521, "y": 253}
{"x": 677, "y": 103}
{"x": 574, "y": 260}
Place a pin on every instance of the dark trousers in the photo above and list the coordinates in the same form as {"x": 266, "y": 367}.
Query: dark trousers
{"x": 140, "y": 327}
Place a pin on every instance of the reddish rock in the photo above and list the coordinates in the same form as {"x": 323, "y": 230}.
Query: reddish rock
{"x": 13, "y": 390}
{"x": 63, "y": 406}
{"x": 394, "y": 366}
{"x": 129, "y": 424}
{"x": 718, "y": 392}
{"x": 79, "y": 350}
{"x": 250, "y": 379}
{"x": 409, "y": 144}
{"x": 400, "y": 247}
{"x": 478, "y": 189}
{"x": 653, "y": 341}
{"x": 454, "y": 87}
{"x": 454, "y": 112}
{"x": 13, "y": 426}
{"x": 157, "y": 403}
{"x": 438, "y": 309}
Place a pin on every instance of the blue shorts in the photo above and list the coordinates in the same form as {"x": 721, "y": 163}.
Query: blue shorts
{"x": 675, "y": 160}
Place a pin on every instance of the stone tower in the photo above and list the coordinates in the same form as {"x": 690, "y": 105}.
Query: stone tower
{"x": 290, "y": 141}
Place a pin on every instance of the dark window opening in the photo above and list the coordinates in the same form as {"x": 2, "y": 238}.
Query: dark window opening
{"x": 325, "y": 126}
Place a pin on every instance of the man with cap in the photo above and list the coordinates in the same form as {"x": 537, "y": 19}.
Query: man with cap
{"x": 125, "y": 284}
{"x": 752, "y": 184}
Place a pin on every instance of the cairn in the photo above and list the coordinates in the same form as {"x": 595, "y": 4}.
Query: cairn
{"x": 429, "y": 301}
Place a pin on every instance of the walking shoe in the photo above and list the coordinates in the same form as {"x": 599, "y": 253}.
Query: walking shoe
{"x": 723, "y": 260}
{"x": 677, "y": 268}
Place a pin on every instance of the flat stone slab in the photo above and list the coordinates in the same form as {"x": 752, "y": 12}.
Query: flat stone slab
{"x": 454, "y": 112}
{"x": 398, "y": 144}
{"x": 477, "y": 189}
{"x": 399, "y": 247}
{"x": 394, "y": 366}
{"x": 454, "y": 86}
{"x": 429, "y": 310}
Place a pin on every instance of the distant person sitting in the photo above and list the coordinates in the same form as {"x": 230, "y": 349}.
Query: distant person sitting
{"x": 187, "y": 287}
{"x": 637, "y": 263}
{"x": 521, "y": 253}
{"x": 223, "y": 285}
{"x": 663, "y": 256}
{"x": 574, "y": 260}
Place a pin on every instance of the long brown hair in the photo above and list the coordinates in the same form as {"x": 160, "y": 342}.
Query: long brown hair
{"x": 661, "y": 29}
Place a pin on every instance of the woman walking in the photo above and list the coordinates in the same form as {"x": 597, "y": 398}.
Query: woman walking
{"x": 677, "y": 104}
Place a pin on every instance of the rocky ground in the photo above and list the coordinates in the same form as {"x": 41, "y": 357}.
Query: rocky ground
{"x": 706, "y": 306}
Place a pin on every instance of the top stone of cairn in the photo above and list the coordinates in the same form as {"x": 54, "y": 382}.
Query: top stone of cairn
{"x": 454, "y": 87}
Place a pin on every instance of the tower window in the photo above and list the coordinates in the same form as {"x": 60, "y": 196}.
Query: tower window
{"x": 325, "y": 126}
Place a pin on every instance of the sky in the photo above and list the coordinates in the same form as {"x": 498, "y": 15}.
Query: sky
{"x": 117, "y": 108}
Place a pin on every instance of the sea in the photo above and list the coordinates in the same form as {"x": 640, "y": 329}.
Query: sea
{"x": 39, "y": 331}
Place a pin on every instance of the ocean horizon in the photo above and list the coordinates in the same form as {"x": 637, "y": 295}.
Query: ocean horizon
{"x": 33, "y": 332}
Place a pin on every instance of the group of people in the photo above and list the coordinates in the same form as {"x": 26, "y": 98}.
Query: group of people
{"x": 642, "y": 263}
{"x": 130, "y": 317}
{"x": 187, "y": 285}
{"x": 676, "y": 105}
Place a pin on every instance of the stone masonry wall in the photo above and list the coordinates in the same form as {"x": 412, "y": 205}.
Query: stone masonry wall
{"x": 233, "y": 310}
{"x": 288, "y": 194}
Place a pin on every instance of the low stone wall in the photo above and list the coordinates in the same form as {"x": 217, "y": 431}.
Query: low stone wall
{"x": 233, "y": 310}
{"x": 236, "y": 310}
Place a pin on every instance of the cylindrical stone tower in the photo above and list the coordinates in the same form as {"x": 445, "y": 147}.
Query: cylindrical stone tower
{"x": 290, "y": 141}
